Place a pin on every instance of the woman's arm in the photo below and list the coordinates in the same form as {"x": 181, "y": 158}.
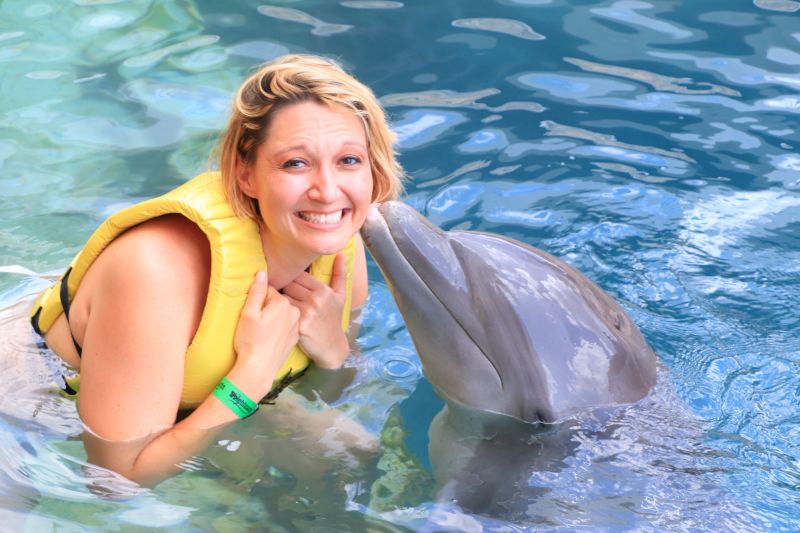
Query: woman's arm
{"x": 144, "y": 310}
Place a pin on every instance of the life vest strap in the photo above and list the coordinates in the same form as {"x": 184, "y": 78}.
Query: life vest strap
{"x": 63, "y": 294}
{"x": 285, "y": 381}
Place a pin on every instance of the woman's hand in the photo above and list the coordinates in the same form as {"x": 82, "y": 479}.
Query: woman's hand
{"x": 320, "y": 306}
{"x": 266, "y": 333}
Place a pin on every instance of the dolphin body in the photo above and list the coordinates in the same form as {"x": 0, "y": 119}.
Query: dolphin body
{"x": 503, "y": 327}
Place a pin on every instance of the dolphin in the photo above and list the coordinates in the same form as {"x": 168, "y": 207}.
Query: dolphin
{"x": 502, "y": 327}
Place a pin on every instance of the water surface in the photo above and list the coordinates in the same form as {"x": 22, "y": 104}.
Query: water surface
{"x": 653, "y": 145}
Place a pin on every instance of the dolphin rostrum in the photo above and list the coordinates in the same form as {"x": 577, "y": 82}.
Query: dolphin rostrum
{"x": 503, "y": 327}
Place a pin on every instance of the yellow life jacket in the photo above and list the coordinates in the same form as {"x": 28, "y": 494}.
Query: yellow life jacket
{"x": 236, "y": 256}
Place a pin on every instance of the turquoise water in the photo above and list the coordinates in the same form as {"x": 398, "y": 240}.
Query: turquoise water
{"x": 653, "y": 145}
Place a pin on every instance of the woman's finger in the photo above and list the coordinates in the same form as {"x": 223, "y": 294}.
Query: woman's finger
{"x": 306, "y": 280}
{"x": 296, "y": 291}
{"x": 257, "y": 293}
{"x": 272, "y": 294}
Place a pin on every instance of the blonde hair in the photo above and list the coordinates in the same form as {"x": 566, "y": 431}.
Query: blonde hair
{"x": 296, "y": 78}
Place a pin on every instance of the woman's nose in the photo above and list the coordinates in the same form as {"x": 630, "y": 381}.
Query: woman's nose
{"x": 323, "y": 185}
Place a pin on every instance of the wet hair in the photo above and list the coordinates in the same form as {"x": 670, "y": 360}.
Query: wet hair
{"x": 299, "y": 78}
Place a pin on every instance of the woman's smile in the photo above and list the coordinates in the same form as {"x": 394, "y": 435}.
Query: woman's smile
{"x": 323, "y": 219}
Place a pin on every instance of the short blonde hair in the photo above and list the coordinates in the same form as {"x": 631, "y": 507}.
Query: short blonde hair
{"x": 297, "y": 78}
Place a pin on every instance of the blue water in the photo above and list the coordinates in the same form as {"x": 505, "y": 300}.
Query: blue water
{"x": 653, "y": 145}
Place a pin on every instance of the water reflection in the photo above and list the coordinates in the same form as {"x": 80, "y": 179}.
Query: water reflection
{"x": 420, "y": 127}
{"x": 657, "y": 81}
{"x": 628, "y": 12}
{"x": 735, "y": 70}
{"x": 372, "y": 4}
{"x": 486, "y": 140}
{"x": 511, "y": 27}
{"x": 669, "y": 161}
{"x": 785, "y": 6}
{"x": 439, "y": 98}
{"x": 320, "y": 27}
{"x": 718, "y": 222}
{"x": 638, "y": 141}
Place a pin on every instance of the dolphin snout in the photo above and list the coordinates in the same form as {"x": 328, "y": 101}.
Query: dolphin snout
{"x": 374, "y": 213}
{"x": 375, "y": 230}
{"x": 384, "y": 219}
{"x": 374, "y": 220}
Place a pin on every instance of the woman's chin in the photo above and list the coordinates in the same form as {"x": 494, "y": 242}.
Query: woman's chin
{"x": 329, "y": 246}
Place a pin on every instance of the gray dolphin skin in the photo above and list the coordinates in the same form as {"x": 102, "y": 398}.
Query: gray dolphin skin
{"x": 501, "y": 326}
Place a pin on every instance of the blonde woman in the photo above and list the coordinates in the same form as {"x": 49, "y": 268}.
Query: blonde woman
{"x": 204, "y": 300}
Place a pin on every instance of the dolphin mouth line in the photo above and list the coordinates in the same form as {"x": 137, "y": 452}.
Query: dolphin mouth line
{"x": 433, "y": 293}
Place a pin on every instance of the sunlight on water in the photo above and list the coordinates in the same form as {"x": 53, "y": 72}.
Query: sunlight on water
{"x": 652, "y": 145}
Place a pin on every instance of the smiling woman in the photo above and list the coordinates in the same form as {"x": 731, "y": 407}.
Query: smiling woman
{"x": 169, "y": 307}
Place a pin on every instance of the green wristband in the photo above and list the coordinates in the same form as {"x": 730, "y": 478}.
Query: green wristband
{"x": 234, "y": 399}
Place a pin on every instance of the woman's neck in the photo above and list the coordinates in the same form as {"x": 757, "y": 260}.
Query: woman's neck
{"x": 284, "y": 264}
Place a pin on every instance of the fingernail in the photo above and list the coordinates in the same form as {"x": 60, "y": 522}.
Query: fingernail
{"x": 261, "y": 276}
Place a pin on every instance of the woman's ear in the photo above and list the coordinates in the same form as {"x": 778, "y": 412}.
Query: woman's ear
{"x": 244, "y": 177}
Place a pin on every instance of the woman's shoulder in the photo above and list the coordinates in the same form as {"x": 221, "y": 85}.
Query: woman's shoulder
{"x": 168, "y": 253}
{"x": 154, "y": 273}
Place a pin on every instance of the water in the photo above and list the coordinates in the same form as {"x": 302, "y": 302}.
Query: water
{"x": 651, "y": 144}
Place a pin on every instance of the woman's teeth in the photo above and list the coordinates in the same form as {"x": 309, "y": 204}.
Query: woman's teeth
{"x": 321, "y": 218}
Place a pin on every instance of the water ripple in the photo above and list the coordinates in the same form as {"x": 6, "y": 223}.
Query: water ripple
{"x": 320, "y": 27}
{"x": 627, "y": 12}
{"x": 104, "y": 20}
{"x": 786, "y": 170}
{"x": 717, "y": 223}
{"x": 150, "y": 58}
{"x": 785, "y": 6}
{"x": 733, "y": 69}
{"x": 525, "y": 3}
{"x": 725, "y": 134}
{"x": 7, "y": 36}
{"x": 632, "y": 172}
{"x": 419, "y": 127}
{"x": 486, "y": 140}
{"x": 137, "y": 39}
{"x": 657, "y": 81}
{"x": 200, "y": 105}
{"x": 261, "y": 50}
{"x": 565, "y": 86}
{"x": 602, "y": 139}
{"x": 439, "y": 98}
{"x": 666, "y": 168}
{"x": 372, "y": 4}
{"x": 511, "y": 27}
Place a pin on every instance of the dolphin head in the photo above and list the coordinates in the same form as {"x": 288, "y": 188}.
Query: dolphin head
{"x": 436, "y": 297}
{"x": 503, "y": 327}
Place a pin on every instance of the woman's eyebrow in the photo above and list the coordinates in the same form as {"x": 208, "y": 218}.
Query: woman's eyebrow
{"x": 291, "y": 148}
{"x": 356, "y": 144}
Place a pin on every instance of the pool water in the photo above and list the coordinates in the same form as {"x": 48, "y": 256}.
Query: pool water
{"x": 653, "y": 145}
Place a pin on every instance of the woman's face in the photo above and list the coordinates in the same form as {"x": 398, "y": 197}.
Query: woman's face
{"x": 311, "y": 177}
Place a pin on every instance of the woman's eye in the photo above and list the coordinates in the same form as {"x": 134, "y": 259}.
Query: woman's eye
{"x": 294, "y": 163}
{"x": 351, "y": 160}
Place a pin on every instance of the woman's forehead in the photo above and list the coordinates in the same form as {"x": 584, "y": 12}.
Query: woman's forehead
{"x": 316, "y": 123}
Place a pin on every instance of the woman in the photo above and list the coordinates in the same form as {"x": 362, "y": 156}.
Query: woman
{"x": 157, "y": 315}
